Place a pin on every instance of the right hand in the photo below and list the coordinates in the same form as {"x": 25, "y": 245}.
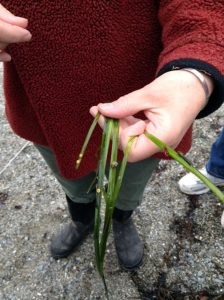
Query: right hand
{"x": 170, "y": 103}
{"x": 12, "y": 30}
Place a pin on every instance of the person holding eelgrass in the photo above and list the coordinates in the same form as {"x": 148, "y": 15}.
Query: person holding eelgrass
{"x": 213, "y": 170}
{"x": 163, "y": 59}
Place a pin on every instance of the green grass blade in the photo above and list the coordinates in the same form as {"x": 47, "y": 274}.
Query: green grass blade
{"x": 88, "y": 136}
{"x": 113, "y": 197}
{"x": 110, "y": 189}
{"x": 122, "y": 169}
{"x": 100, "y": 187}
{"x": 115, "y": 188}
{"x": 104, "y": 151}
{"x": 180, "y": 158}
{"x": 113, "y": 160}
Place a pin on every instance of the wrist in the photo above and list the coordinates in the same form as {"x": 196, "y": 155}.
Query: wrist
{"x": 201, "y": 82}
{"x": 204, "y": 79}
{"x": 209, "y": 81}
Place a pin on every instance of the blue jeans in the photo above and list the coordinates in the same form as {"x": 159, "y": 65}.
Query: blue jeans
{"x": 215, "y": 165}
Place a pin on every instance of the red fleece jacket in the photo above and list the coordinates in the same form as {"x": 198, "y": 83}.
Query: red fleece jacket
{"x": 86, "y": 52}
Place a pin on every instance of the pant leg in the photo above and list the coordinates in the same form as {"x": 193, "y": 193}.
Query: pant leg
{"x": 135, "y": 178}
{"x": 215, "y": 165}
{"x": 76, "y": 190}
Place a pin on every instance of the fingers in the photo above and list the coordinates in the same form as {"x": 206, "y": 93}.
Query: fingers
{"x": 3, "y": 45}
{"x": 12, "y": 30}
{"x": 125, "y": 106}
{"x": 8, "y": 17}
{"x": 135, "y": 129}
{"x": 131, "y": 120}
{"x": 144, "y": 148}
{"x": 127, "y": 122}
{"x": 93, "y": 111}
{"x": 129, "y": 127}
{"x": 4, "y": 57}
{"x": 13, "y": 34}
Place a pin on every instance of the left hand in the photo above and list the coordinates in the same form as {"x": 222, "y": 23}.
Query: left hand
{"x": 12, "y": 30}
{"x": 170, "y": 104}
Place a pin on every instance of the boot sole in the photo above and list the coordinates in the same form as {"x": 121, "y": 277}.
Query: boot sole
{"x": 133, "y": 268}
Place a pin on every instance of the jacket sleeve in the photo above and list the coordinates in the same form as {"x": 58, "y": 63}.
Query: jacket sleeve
{"x": 193, "y": 36}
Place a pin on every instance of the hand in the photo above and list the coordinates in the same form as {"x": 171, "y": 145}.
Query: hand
{"x": 12, "y": 30}
{"x": 170, "y": 104}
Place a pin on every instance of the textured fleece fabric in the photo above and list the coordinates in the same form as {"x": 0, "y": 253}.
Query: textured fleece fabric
{"x": 86, "y": 52}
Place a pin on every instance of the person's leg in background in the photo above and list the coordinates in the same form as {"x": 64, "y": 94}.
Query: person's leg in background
{"x": 213, "y": 170}
{"x": 81, "y": 206}
{"x": 127, "y": 241}
{"x": 215, "y": 164}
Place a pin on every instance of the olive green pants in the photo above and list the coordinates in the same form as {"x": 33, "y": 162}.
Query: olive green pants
{"x": 78, "y": 190}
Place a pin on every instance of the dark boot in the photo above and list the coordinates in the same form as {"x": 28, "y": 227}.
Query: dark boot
{"x": 72, "y": 234}
{"x": 127, "y": 241}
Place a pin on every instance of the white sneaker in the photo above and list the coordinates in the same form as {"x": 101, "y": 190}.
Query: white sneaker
{"x": 222, "y": 219}
{"x": 192, "y": 185}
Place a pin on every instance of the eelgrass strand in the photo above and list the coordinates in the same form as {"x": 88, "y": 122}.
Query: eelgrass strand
{"x": 110, "y": 189}
{"x": 100, "y": 192}
{"x": 113, "y": 197}
{"x": 100, "y": 182}
{"x": 111, "y": 131}
{"x": 180, "y": 158}
{"x": 122, "y": 169}
{"x": 88, "y": 136}
{"x": 113, "y": 160}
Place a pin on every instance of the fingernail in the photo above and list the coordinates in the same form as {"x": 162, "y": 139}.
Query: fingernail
{"x": 28, "y": 36}
{"x": 106, "y": 105}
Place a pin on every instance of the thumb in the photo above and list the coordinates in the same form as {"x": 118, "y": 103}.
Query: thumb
{"x": 125, "y": 106}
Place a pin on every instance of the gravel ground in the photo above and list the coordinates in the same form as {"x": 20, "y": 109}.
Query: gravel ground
{"x": 184, "y": 242}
